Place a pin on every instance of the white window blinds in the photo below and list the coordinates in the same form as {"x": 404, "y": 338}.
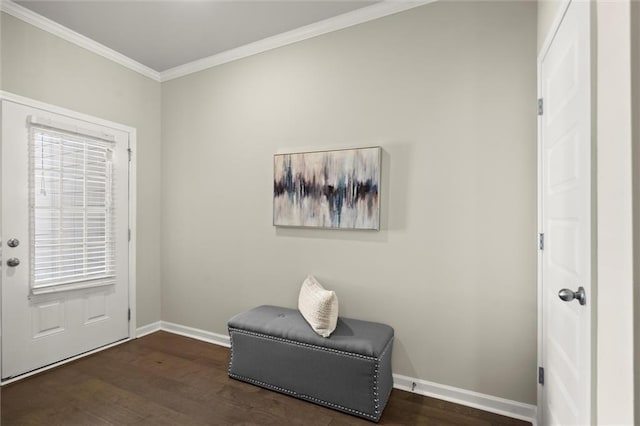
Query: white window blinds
{"x": 71, "y": 221}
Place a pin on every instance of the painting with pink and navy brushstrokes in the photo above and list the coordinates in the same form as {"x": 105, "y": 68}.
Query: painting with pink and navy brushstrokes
{"x": 329, "y": 189}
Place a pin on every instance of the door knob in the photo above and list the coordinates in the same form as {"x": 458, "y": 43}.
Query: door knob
{"x": 13, "y": 261}
{"x": 13, "y": 242}
{"x": 568, "y": 295}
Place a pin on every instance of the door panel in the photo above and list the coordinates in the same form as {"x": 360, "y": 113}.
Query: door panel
{"x": 566, "y": 187}
{"x": 44, "y": 325}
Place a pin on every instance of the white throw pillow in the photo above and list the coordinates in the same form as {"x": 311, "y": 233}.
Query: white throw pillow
{"x": 318, "y": 306}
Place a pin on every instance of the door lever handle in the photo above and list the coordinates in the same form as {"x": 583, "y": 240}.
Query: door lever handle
{"x": 567, "y": 295}
{"x": 13, "y": 261}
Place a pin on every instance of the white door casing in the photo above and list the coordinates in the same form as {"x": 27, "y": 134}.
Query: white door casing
{"x": 43, "y": 329}
{"x": 566, "y": 187}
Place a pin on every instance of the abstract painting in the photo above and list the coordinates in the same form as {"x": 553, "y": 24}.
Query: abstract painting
{"x": 328, "y": 189}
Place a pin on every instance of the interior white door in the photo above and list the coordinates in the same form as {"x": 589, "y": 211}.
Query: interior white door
{"x": 64, "y": 237}
{"x": 566, "y": 205}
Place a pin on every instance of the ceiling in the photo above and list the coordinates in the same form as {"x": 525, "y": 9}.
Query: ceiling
{"x": 163, "y": 34}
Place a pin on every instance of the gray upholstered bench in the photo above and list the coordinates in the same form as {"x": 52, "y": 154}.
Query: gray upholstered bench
{"x": 350, "y": 371}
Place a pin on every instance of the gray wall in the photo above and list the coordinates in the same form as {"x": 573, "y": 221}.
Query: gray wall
{"x": 448, "y": 90}
{"x": 635, "y": 110}
{"x": 41, "y": 66}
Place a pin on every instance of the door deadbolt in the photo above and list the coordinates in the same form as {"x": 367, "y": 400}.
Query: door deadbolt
{"x": 13, "y": 242}
{"x": 14, "y": 261}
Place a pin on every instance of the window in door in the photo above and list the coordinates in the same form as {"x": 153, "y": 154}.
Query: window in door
{"x": 71, "y": 210}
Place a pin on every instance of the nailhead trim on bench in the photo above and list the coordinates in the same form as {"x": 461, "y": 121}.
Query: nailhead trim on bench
{"x": 302, "y": 396}
{"x": 376, "y": 396}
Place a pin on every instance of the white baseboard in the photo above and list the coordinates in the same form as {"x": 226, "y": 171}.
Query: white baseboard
{"x": 195, "y": 333}
{"x": 492, "y": 404}
{"x": 148, "y": 329}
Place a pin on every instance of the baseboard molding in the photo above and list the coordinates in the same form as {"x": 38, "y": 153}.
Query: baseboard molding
{"x": 195, "y": 333}
{"x": 149, "y": 328}
{"x": 481, "y": 401}
{"x": 492, "y": 404}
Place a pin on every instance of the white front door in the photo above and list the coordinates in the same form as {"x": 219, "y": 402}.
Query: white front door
{"x": 566, "y": 205}
{"x": 64, "y": 239}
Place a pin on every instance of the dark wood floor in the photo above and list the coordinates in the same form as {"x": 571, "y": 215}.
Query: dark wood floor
{"x": 165, "y": 379}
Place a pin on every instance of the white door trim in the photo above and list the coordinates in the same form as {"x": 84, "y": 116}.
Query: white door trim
{"x": 132, "y": 204}
{"x": 64, "y": 111}
{"x": 615, "y": 393}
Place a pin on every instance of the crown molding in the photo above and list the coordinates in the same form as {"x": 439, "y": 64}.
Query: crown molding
{"x": 358, "y": 16}
{"x": 69, "y": 35}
